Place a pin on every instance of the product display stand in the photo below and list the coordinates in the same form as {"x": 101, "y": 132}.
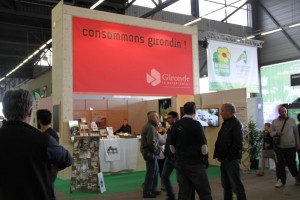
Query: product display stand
{"x": 86, "y": 164}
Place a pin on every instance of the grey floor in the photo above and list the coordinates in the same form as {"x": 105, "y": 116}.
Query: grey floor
{"x": 257, "y": 188}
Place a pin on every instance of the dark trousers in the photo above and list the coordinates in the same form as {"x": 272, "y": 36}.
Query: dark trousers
{"x": 298, "y": 152}
{"x": 53, "y": 176}
{"x": 150, "y": 183}
{"x": 160, "y": 163}
{"x": 283, "y": 157}
{"x": 191, "y": 178}
{"x": 168, "y": 168}
{"x": 231, "y": 180}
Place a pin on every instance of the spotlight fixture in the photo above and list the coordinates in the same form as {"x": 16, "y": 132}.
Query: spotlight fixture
{"x": 204, "y": 43}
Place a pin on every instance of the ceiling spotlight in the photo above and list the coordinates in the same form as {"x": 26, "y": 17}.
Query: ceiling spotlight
{"x": 204, "y": 43}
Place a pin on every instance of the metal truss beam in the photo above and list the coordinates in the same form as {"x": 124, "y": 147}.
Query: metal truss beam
{"x": 158, "y": 8}
{"x": 195, "y": 8}
{"x": 232, "y": 39}
{"x": 223, "y": 20}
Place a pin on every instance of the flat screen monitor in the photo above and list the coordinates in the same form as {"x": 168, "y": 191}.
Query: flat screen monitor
{"x": 208, "y": 116}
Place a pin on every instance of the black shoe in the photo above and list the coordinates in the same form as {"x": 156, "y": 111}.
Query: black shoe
{"x": 156, "y": 192}
{"x": 149, "y": 196}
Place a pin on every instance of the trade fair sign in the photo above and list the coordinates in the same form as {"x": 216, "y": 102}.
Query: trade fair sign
{"x": 232, "y": 66}
{"x": 112, "y": 58}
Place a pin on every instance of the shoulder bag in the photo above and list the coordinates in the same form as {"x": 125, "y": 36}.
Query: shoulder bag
{"x": 276, "y": 138}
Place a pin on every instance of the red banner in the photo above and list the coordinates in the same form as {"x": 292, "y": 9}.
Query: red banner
{"x": 111, "y": 58}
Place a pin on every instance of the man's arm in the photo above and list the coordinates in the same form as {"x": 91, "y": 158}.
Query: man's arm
{"x": 151, "y": 140}
{"x": 119, "y": 130}
{"x": 58, "y": 155}
{"x": 296, "y": 134}
{"x": 273, "y": 130}
{"x": 203, "y": 148}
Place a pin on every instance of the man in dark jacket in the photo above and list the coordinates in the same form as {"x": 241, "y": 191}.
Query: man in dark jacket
{"x": 125, "y": 128}
{"x": 150, "y": 151}
{"x": 228, "y": 150}
{"x": 169, "y": 164}
{"x": 44, "y": 118}
{"x": 25, "y": 154}
{"x": 188, "y": 138}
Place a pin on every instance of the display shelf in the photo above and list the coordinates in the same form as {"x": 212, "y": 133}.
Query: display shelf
{"x": 84, "y": 129}
{"x": 86, "y": 164}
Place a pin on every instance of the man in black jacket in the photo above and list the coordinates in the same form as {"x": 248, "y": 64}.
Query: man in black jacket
{"x": 125, "y": 128}
{"x": 188, "y": 138}
{"x": 25, "y": 154}
{"x": 169, "y": 164}
{"x": 228, "y": 150}
{"x": 44, "y": 118}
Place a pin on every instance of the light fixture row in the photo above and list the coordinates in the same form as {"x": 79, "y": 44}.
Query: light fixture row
{"x": 42, "y": 47}
{"x": 26, "y": 60}
{"x": 273, "y": 31}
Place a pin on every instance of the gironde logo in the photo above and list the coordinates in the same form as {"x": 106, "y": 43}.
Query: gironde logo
{"x": 154, "y": 78}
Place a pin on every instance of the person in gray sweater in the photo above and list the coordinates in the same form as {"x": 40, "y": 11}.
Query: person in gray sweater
{"x": 285, "y": 152}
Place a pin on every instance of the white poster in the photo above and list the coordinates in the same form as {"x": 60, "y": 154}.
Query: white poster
{"x": 232, "y": 66}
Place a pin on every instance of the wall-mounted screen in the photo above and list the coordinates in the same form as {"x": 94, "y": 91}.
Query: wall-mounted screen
{"x": 208, "y": 116}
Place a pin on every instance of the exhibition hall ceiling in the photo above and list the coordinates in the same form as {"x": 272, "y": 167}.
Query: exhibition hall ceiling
{"x": 26, "y": 26}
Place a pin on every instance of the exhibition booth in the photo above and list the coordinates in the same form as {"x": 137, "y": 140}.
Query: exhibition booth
{"x": 98, "y": 54}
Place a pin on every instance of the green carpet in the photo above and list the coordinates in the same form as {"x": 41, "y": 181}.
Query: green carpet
{"x": 116, "y": 183}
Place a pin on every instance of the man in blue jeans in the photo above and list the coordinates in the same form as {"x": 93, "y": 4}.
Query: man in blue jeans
{"x": 228, "y": 150}
{"x": 170, "y": 158}
{"x": 150, "y": 151}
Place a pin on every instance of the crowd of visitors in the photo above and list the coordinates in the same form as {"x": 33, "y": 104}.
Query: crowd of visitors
{"x": 186, "y": 151}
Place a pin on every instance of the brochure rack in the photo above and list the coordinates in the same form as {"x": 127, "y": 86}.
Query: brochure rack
{"x": 86, "y": 163}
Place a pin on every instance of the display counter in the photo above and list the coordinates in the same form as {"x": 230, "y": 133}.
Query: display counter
{"x": 118, "y": 154}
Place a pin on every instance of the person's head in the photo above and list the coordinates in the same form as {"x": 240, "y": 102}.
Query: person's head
{"x": 189, "y": 108}
{"x": 227, "y": 110}
{"x": 298, "y": 117}
{"x": 125, "y": 122}
{"x": 44, "y": 117}
{"x": 172, "y": 117}
{"x": 282, "y": 112}
{"x": 267, "y": 126}
{"x": 17, "y": 105}
{"x": 153, "y": 117}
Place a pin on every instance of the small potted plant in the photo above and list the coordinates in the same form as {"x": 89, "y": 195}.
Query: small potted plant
{"x": 255, "y": 144}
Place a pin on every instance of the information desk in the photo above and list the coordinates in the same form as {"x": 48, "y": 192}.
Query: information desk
{"x": 118, "y": 154}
